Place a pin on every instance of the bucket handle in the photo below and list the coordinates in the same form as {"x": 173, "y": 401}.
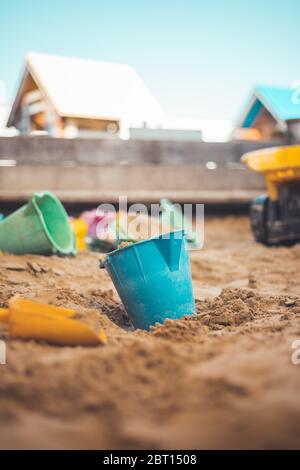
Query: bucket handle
{"x": 103, "y": 263}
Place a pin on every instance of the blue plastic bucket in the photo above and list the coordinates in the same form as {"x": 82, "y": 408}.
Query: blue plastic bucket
{"x": 153, "y": 279}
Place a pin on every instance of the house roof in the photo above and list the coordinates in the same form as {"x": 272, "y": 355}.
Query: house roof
{"x": 280, "y": 102}
{"x": 91, "y": 89}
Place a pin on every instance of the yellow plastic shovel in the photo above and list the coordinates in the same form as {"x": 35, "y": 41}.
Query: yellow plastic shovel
{"x": 4, "y": 315}
{"x": 28, "y": 319}
{"x": 31, "y": 306}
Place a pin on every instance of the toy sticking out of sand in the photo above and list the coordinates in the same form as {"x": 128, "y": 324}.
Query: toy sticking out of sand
{"x": 31, "y": 320}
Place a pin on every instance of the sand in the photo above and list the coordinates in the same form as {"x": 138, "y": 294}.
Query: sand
{"x": 220, "y": 379}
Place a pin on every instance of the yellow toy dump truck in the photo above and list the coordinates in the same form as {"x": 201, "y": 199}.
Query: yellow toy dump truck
{"x": 275, "y": 217}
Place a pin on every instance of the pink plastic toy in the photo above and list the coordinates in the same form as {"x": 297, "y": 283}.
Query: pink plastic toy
{"x": 99, "y": 223}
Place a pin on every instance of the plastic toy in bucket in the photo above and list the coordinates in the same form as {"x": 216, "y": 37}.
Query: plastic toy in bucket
{"x": 40, "y": 227}
{"x": 153, "y": 279}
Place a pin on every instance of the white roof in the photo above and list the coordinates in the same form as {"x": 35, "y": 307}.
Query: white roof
{"x": 94, "y": 89}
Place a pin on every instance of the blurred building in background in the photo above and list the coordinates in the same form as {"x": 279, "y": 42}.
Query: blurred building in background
{"x": 187, "y": 129}
{"x": 5, "y": 107}
{"x": 69, "y": 97}
{"x": 271, "y": 114}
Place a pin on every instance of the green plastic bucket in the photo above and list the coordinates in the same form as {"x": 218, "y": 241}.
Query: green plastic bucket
{"x": 39, "y": 227}
{"x": 174, "y": 216}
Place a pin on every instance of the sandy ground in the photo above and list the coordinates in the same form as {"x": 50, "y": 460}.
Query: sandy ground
{"x": 221, "y": 379}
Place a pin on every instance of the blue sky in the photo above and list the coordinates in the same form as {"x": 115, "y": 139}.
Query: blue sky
{"x": 199, "y": 58}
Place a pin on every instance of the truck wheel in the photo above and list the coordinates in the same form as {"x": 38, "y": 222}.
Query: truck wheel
{"x": 258, "y": 216}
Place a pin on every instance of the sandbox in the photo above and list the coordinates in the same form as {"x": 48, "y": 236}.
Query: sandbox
{"x": 223, "y": 378}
